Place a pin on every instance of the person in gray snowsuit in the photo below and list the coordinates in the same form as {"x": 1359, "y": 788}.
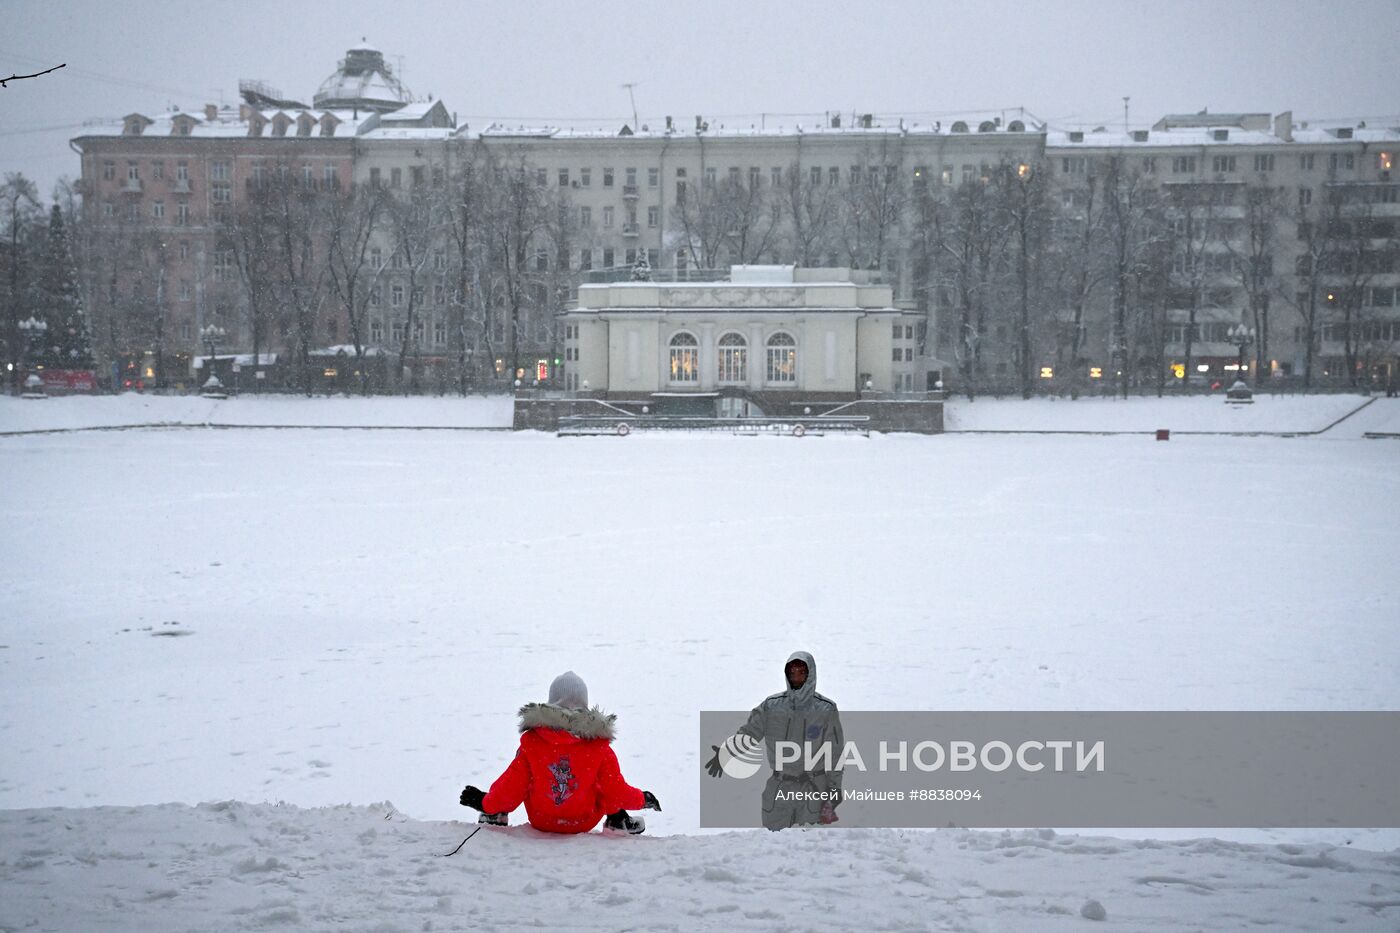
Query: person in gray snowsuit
{"x": 793, "y": 796}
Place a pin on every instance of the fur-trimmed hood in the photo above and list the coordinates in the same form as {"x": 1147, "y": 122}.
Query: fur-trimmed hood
{"x": 583, "y": 723}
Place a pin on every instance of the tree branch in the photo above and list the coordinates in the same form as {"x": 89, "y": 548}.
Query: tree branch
{"x": 35, "y": 75}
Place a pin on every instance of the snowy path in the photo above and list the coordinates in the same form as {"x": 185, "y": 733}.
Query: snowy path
{"x": 233, "y": 866}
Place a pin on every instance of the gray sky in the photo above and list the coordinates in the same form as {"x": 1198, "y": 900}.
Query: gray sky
{"x": 1070, "y": 62}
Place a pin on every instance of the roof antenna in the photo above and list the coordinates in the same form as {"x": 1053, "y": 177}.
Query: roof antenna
{"x": 630, "y": 96}
{"x": 1125, "y": 114}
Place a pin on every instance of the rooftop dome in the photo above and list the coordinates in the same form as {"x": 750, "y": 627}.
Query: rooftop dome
{"x": 363, "y": 80}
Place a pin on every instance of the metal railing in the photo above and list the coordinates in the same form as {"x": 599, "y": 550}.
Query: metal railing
{"x": 621, "y": 425}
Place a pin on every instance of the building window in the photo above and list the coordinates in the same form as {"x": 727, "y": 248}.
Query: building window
{"x": 376, "y": 332}
{"x": 816, "y": 175}
{"x": 157, "y": 170}
{"x": 585, "y": 177}
{"x": 158, "y": 209}
{"x": 653, "y": 178}
{"x": 133, "y": 172}
{"x": 184, "y": 249}
{"x": 1183, "y": 165}
{"x": 607, "y": 178}
{"x": 1304, "y": 197}
{"x": 439, "y": 296}
{"x": 755, "y": 176}
{"x": 1305, "y": 162}
{"x": 416, "y": 175}
{"x": 711, "y": 177}
{"x": 1342, "y": 160}
{"x": 376, "y": 258}
{"x": 654, "y": 258}
{"x": 374, "y": 178}
{"x": 396, "y": 260}
{"x": 653, "y": 216}
{"x": 833, "y": 176}
{"x": 186, "y": 292}
{"x": 221, "y": 192}
{"x": 782, "y": 359}
{"x": 563, "y": 178}
{"x": 1222, "y": 163}
{"x": 439, "y": 332}
{"x": 109, "y": 171}
{"x": 1149, "y": 165}
{"x": 631, "y": 178}
{"x": 733, "y": 359}
{"x": 396, "y": 296}
{"x": 182, "y": 213}
{"x": 396, "y": 332}
{"x": 608, "y": 255}
{"x": 439, "y": 260}
{"x": 607, "y": 216}
{"x": 308, "y": 177}
{"x": 1264, "y": 163}
{"x": 898, "y": 354}
{"x": 541, "y": 260}
{"x": 376, "y": 297}
{"x": 685, "y": 358}
{"x": 1070, "y": 165}
{"x": 585, "y": 216}
{"x": 631, "y": 257}
{"x": 585, "y": 260}
{"x": 395, "y": 177}
{"x": 777, "y": 176}
{"x": 855, "y": 175}
{"x": 223, "y": 265}
{"x": 218, "y": 171}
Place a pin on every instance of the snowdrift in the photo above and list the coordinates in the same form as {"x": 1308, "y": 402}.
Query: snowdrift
{"x": 239, "y": 866}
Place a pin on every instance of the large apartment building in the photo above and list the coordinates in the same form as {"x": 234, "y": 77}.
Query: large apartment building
{"x": 693, "y": 196}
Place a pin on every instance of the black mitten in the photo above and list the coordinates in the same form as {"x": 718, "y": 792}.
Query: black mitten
{"x": 472, "y": 797}
{"x": 651, "y": 802}
{"x": 713, "y": 765}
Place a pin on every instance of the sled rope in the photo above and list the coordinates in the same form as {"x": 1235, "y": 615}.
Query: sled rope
{"x": 463, "y": 842}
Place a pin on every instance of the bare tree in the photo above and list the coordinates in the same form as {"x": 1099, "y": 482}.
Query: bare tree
{"x": 1198, "y": 239}
{"x": 1022, "y": 191}
{"x": 298, "y": 224}
{"x": 809, "y": 207}
{"x": 19, "y": 199}
{"x": 1133, "y": 228}
{"x": 1253, "y": 252}
{"x": 352, "y": 221}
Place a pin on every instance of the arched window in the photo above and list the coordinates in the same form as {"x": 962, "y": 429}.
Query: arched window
{"x": 685, "y": 358}
{"x": 733, "y": 359}
{"x": 782, "y": 359}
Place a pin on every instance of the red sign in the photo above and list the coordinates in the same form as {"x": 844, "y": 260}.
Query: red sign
{"x": 70, "y": 380}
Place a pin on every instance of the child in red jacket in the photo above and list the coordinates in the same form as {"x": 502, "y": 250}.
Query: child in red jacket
{"x": 565, "y": 771}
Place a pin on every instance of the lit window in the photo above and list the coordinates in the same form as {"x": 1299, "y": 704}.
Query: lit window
{"x": 733, "y": 362}
{"x": 685, "y": 358}
{"x": 1047, "y": 372}
{"x": 782, "y": 359}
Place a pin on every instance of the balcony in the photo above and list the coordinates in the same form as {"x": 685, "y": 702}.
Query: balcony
{"x": 629, "y": 191}
{"x": 631, "y": 230}
{"x": 132, "y": 186}
{"x": 180, "y": 186}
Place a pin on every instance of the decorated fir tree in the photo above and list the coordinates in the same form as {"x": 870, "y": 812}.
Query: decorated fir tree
{"x": 641, "y": 272}
{"x": 67, "y": 344}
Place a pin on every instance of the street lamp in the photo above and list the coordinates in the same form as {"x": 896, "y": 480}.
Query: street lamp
{"x": 212, "y": 333}
{"x": 1242, "y": 337}
{"x": 33, "y": 330}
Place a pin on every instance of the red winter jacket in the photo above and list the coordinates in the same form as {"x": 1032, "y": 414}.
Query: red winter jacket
{"x": 565, "y": 771}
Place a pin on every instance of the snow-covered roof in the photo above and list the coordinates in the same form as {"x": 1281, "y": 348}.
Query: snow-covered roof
{"x": 1224, "y": 133}
{"x": 230, "y": 122}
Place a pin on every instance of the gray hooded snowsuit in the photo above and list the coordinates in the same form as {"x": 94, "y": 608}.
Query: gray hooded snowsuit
{"x": 804, "y": 716}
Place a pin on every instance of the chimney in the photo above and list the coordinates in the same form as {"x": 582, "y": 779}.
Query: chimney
{"x": 866, "y": 120}
{"x": 668, "y": 124}
{"x": 1283, "y": 126}
{"x": 211, "y": 112}
{"x": 697, "y": 123}
{"x": 836, "y": 121}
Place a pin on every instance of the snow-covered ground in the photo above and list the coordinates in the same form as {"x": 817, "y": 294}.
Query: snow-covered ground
{"x": 1205, "y": 413}
{"x": 236, "y": 866}
{"x": 341, "y": 617}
